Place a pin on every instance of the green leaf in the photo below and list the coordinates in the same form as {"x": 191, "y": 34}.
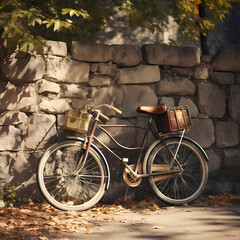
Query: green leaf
{"x": 2, "y": 204}
{"x": 56, "y": 25}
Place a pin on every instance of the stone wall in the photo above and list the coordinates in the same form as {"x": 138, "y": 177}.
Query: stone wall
{"x": 36, "y": 90}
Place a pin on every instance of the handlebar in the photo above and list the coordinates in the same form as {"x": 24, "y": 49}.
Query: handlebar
{"x": 101, "y": 115}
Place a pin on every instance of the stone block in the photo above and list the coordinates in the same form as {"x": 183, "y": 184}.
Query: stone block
{"x": 38, "y": 127}
{"x": 54, "y": 106}
{"x": 106, "y": 69}
{"x": 202, "y": 131}
{"x": 91, "y": 52}
{"x": 188, "y": 72}
{"x": 5, "y": 163}
{"x": 227, "y": 134}
{"x": 238, "y": 78}
{"x": 44, "y": 86}
{"x": 215, "y": 160}
{"x": 211, "y": 99}
{"x": 139, "y": 74}
{"x": 123, "y": 55}
{"x": 135, "y": 96}
{"x": 162, "y": 54}
{"x": 201, "y": 72}
{"x": 126, "y": 55}
{"x": 183, "y": 101}
{"x": 23, "y": 98}
{"x": 175, "y": 85}
{"x": 23, "y": 67}
{"x": 108, "y": 95}
{"x": 10, "y": 138}
{"x": 73, "y": 91}
{"x": 100, "y": 81}
{"x": 232, "y": 158}
{"x": 66, "y": 70}
{"x": 222, "y": 77}
{"x": 169, "y": 101}
{"x": 227, "y": 60}
{"x": 234, "y": 102}
{"x": 55, "y": 48}
{"x": 13, "y": 118}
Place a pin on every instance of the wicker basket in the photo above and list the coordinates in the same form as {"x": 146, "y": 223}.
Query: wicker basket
{"x": 77, "y": 121}
{"x": 174, "y": 119}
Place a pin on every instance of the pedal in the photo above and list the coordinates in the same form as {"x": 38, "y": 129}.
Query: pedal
{"x": 125, "y": 160}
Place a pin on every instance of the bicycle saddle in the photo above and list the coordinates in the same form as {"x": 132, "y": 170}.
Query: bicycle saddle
{"x": 160, "y": 109}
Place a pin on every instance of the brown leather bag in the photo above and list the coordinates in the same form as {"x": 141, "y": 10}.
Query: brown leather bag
{"x": 174, "y": 119}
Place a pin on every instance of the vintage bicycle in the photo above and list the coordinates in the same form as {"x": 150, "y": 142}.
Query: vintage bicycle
{"x": 74, "y": 174}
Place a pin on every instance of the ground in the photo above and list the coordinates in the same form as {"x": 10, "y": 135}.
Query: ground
{"x": 212, "y": 217}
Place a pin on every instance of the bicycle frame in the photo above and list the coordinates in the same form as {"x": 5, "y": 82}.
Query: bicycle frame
{"x": 148, "y": 128}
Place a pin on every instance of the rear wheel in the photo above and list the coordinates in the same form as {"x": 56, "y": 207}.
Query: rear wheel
{"x": 186, "y": 180}
{"x": 61, "y": 187}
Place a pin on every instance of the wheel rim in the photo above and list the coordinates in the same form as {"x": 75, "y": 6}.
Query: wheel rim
{"x": 185, "y": 186}
{"x": 62, "y": 188}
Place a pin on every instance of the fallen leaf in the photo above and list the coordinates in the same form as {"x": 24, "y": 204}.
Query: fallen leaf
{"x": 157, "y": 227}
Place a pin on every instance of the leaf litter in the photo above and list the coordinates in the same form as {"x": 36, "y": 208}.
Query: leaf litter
{"x": 41, "y": 221}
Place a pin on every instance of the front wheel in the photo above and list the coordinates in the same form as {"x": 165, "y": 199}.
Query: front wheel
{"x": 186, "y": 179}
{"x": 59, "y": 183}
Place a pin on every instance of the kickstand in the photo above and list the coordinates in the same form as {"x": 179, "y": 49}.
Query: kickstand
{"x": 125, "y": 195}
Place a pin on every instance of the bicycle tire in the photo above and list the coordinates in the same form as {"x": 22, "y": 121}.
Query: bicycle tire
{"x": 60, "y": 187}
{"x": 184, "y": 187}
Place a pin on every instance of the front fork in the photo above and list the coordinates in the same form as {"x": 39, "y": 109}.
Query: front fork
{"x": 86, "y": 145}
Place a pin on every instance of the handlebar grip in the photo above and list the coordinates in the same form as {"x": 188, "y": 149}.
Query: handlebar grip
{"x": 116, "y": 110}
{"x": 106, "y": 118}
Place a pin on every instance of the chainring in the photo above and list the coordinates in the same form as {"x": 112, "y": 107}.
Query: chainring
{"x": 129, "y": 179}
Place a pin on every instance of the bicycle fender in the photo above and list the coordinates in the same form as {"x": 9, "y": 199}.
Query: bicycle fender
{"x": 98, "y": 151}
{"x": 168, "y": 137}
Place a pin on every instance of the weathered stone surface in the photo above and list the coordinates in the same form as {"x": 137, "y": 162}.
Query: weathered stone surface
{"x": 44, "y": 86}
{"x": 169, "y": 101}
{"x": 91, "y": 52}
{"x": 201, "y": 72}
{"x": 38, "y": 127}
{"x": 13, "y": 118}
{"x": 222, "y": 77}
{"x": 175, "y": 85}
{"x": 238, "y": 78}
{"x": 23, "y": 67}
{"x": 109, "y": 95}
{"x": 55, "y": 48}
{"x": 232, "y": 158}
{"x": 54, "y": 106}
{"x": 227, "y": 60}
{"x": 215, "y": 161}
{"x": 211, "y": 99}
{"x": 100, "y": 81}
{"x": 227, "y": 134}
{"x": 107, "y": 69}
{"x": 234, "y": 102}
{"x": 191, "y": 105}
{"x": 123, "y": 55}
{"x": 94, "y": 67}
{"x": 10, "y": 138}
{"x": 5, "y": 163}
{"x": 73, "y": 91}
{"x": 66, "y": 70}
{"x": 174, "y": 56}
{"x": 125, "y": 136}
{"x": 135, "y": 96}
{"x": 139, "y": 74}
{"x": 202, "y": 131}
{"x": 126, "y": 55}
{"x": 183, "y": 71}
{"x": 23, "y": 98}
